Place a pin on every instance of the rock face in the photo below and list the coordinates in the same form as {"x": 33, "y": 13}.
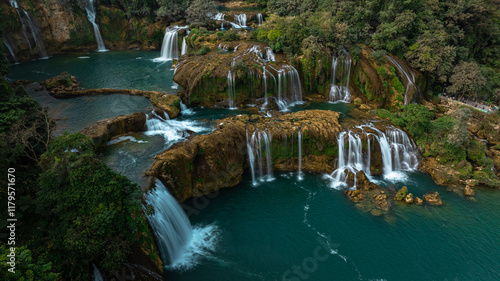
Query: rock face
{"x": 206, "y": 163}
{"x": 65, "y": 28}
{"x": 205, "y": 78}
{"x": 432, "y": 198}
{"x": 106, "y": 129}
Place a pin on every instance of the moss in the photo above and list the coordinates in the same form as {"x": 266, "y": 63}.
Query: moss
{"x": 397, "y": 85}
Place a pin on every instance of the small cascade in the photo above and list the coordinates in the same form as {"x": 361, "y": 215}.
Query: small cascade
{"x": 300, "y": 176}
{"x": 185, "y": 110}
{"x": 91, "y": 15}
{"x": 14, "y": 4}
{"x": 231, "y": 89}
{"x": 184, "y": 49}
{"x": 341, "y": 74}
{"x": 11, "y": 51}
{"x": 259, "y": 156}
{"x": 170, "y": 224}
{"x": 410, "y": 78}
{"x": 399, "y": 153}
{"x": 259, "y": 19}
{"x": 97, "y": 274}
{"x": 289, "y": 87}
{"x": 264, "y": 78}
{"x": 269, "y": 54}
{"x": 171, "y": 130}
{"x": 170, "y": 46}
{"x": 241, "y": 20}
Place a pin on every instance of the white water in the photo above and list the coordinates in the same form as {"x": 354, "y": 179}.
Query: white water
{"x": 269, "y": 54}
{"x": 180, "y": 245}
{"x": 185, "y": 110}
{"x": 184, "y": 49}
{"x": 289, "y": 87}
{"x": 231, "y": 89}
{"x": 170, "y": 46}
{"x": 259, "y": 156}
{"x": 97, "y": 274}
{"x": 12, "y": 54}
{"x": 91, "y": 15}
{"x": 341, "y": 68}
{"x": 399, "y": 153}
{"x": 409, "y": 75}
{"x": 35, "y": 32}
{"x": 259, "y": 19}
{"x": 171, "y": 130}
{"x": 241, "y": 20}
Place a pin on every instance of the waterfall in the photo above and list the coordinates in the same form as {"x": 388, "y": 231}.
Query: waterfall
{"x": 259, "y": 155}
{"x": 259, "y": 19}
{"x": 241, "y": 20}
{"x": 269, "y": 54}
{"x": 300, "y": 176}
{"x": 35, "y": 31}
{"x": 399, "y": 153}
{"x": 289, "y": 87}
{"x": 184, "y": 49}
{"x": 12, "y": 54}
{"x": 409, "y": 75}
{"x": 341, "y": 68}
{"x": 171, "y": 130}
{"x": 231, "y": 89}
{"x": 180, "y": 244}
{"x": 170, "y": 46}
{"x": 91, "y": 15}
{"x": 97, "y": 274}
{"x": 185, "y": 110}
{"x": 170, "y": 224}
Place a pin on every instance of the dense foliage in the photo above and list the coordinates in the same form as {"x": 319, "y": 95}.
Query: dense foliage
{"x": 446, "y": 138}
{"x": 441, "y": 38}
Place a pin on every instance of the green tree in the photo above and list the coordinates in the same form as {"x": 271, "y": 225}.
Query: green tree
{"x": 467, "y": 79}
{"x": 27, "y": 267}
{"x": 200, "y": 12}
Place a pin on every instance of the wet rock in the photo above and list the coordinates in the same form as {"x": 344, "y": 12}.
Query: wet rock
{"x": 469, "y": 191}
{"x": 418, "y": 201}
{"x": 432, "y": 198}
{"x": 409, "y": 198}
{"x": 62, "y": 83}
{"x": 401, "y": 194}
{"x": 106, "y": 129}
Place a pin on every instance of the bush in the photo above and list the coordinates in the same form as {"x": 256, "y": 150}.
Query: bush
{"x": 379, "y": 56}
{"x": 204, "y": 50}
{"x": 231, "y": 35}
{"x": 475, "y": 151}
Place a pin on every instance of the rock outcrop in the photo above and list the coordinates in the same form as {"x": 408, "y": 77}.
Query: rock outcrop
{"x": 368, "y": 196}
{"x": 432, "y": 198}
{"x": 206, "y": 163}
{"x": 104, "y": 130}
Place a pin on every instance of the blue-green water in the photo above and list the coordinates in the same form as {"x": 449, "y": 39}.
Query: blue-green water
{"x": 278, "y": 230}
{"x": 116, "y": 70}
{"x": 268, "y": 231}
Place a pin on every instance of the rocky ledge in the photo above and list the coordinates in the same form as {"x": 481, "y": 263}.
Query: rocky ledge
{"x": 206, "y": 163}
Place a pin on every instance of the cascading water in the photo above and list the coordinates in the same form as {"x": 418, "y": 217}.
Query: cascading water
{"x": 97, "y": 274}
{"x": 289, "y": 87}
{"x": 170, "y": 47}
{"x": 184, "y": 49}
{"x": 241, "y": 20}
{"x": 91, "y": 15}
{"x": 35, "y": 31}
{"x": 180, "y": 244}
{"x": 185, "y": 110}
{"x": 269, "y": 54}
{"x": 11, "y": 52}
{"x": 171, "y": 130}
{"x": 341, "y": 69}
{"x": 259, "y": 156}
{"x": 409, "y": 75}
{"x": 259, "y": 19}
{"x": 399, "y": 153}
{"x": 231, "y": 89}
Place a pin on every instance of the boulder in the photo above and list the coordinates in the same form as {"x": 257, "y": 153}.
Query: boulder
{"x": 409, "y": 198}
{"x": 469, "y": 191}
{"x": 418, "y": 201}
{"x": 432, "y": 198}
{"x": 401, "y": 194}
